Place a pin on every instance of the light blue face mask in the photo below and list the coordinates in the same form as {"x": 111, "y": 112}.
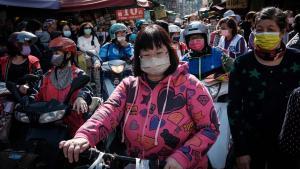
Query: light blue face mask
{"x": 67, "y": 33}
{"x": 87, "y": 31}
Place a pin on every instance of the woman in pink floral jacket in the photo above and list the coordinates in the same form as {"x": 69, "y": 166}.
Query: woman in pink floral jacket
{"x": 164, "y": 111}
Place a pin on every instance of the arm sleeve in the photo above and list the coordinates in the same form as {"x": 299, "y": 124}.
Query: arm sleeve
{"x": 36, "y": 70}
{"x": 80, "y": 44}
{"x": 235, "y": 110}
{"x": 104, "y": 52}
{"x": 39, "y": 95}
{"x": 106, "y": 117}
{"x": 85, "y": 92}
{"x": 128, "y": 51}
{"x": 207, "y": 127}
{"x": 97, "y": 45}
{"x": 243, "y": 46}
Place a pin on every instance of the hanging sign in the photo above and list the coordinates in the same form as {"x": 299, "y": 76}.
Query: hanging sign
{"x": 128, "y": 14}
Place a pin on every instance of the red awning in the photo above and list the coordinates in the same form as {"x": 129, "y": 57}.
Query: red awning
{"x": 81, "y": 5}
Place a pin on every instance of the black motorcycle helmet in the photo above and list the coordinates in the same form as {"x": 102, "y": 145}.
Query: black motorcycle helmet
{"x": 17, "y": 39}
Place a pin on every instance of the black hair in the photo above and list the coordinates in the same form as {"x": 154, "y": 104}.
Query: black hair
{"x": 153, "y": 35}
{"x": 275, "y": 14}
{"x": 55, "y": 34}
{"x": 22, "y": 25}
{"x": 33, "y": 25}
{"x": 163, "y": 24}
{"x": 13, "y": 48}
{"x": 250, "y": 15}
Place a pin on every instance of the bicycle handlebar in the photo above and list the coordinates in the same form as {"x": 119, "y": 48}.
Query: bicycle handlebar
{"x": 92, "y": 154}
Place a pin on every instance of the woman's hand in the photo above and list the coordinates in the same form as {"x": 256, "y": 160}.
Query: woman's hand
{"x": 80, "y": 105}
{"x": 72, "y": 148}
{"x": 243, "y": 162}
{"x": 172, "y": 164}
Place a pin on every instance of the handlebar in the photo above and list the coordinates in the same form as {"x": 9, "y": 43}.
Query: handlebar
{"x": 92, "y": 154}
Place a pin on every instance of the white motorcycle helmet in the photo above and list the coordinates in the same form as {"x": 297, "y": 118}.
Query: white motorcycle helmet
{"x": 174, "y": 29}
{"x": 193, "y": 28}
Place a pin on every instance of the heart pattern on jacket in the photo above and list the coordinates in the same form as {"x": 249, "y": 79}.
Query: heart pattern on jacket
{"x": 175, "y": 102}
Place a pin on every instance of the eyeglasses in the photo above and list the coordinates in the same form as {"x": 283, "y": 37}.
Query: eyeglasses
{"x": 157, "y": 54}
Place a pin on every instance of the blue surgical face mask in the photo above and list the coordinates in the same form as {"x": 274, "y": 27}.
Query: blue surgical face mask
{"x": 25, "y": 50}
{"x": 87, "y": 31}
{"x": 67, "y": 33}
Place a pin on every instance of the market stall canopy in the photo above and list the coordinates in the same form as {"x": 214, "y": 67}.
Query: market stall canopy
{"x": 81, "y": 5}
{"x": 45, "y": 4}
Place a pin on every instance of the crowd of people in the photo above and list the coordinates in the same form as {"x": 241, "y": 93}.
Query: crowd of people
{"x": 164, "y": 110}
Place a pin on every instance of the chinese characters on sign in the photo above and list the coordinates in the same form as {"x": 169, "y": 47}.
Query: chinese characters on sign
{"x": 128, "y": 14}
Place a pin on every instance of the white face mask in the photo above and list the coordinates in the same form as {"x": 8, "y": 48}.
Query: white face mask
{"x": 155, "y": 65}
{"x": 121, "y": 38}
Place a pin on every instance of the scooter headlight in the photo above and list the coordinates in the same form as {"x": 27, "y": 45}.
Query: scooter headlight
{"x": 22, "y": 117}
{"x": 117, "y": 68}
{"x": 52, "y": 116}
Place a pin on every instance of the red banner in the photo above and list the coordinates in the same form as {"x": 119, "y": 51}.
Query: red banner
{"x": 128, "y": 14}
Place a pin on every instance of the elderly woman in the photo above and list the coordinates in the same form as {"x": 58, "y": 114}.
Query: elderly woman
{"x": 259, "y": 87}
{"x": 166, "y": 112}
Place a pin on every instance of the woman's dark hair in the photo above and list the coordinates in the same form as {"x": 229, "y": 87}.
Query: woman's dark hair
{"x": 33, "y": 25}
{"x": 153, "y": 35}
{"x": 163, "y": 24}
{"x": 250, "y": 15}
{"x": 62, "y": 24}
{"x": 13, "y": 49}
{"x": 272, "y": 13}
{"x": 231, "y": 24}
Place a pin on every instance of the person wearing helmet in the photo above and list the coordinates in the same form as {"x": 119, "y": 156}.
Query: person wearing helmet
{"x": 203, "y": 60}
{"x": 118, "y": 47}
{"x": 57, "y": 81}
{"x": 19, "y": 62}
{"x": 180, "y": 47}
{"x": 141, "y": 24}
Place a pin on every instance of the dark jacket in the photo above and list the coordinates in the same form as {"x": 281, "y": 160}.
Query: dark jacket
{"x": 258, "y": 96}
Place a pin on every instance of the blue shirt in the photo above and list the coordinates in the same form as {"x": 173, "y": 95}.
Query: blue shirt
{"x": 111, "y": 51}
{"x": 204, "y": 65}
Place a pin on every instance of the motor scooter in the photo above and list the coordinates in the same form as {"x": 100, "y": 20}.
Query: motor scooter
{"x": 45, "y": 129}
{"x": 112, "y": 73}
